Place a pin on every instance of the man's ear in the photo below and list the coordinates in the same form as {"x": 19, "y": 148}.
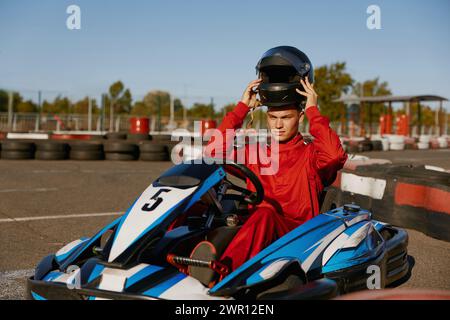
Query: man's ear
{"x": 302, "y": 116}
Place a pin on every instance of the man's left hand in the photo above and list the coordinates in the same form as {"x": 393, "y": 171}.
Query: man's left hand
{"x": 309, "y": 93}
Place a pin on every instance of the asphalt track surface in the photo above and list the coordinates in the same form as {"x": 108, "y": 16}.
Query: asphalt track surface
{"x": 46, "y": 204}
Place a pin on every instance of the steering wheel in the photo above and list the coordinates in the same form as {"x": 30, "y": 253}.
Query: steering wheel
{"x": 242, "y": 172}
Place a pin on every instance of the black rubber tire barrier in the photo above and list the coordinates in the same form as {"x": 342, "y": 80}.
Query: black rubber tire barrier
{"x": 161, "y": 138}
{"x": 51, "y": 155}
{"x": 365, "y": 146}
{"x": 52, "y": 146}
{"x": 420, "y": 173}
{"x": 18, "y": 146}
{"x": 86, "y": 146}
{"x": 120, "y": 156}
{"x": 377, "y": 145}
{"x": 16, "y": 155}
{"x": 152, "y": 147}
{"x": 154, "y": 156}
{"x": 415, "y": 172}
{"x": 120, "y": 147}
{"x": 116, "y": 136}
{"x": 86, "y": 155}
{"x": 138, "y": 137}
{"x": 96, "y": 137}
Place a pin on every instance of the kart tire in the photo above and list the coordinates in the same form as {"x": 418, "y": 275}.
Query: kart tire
{"x": 18, "y": 146}
{"x": 120, "y": 147}
{"x": 331, "y": 200}
{"x": 154, "y": 156}
{"x": 151, "y": 147}
{"x": 16, "y": 155}
{"x": 51, "y": 155}
{"x": 116, "y": 136}
{"x": 86, "y": 155}
{"x": 51, "y": 146}
{"x": 120, "y": 156}
{"x": 138, "y": 136}
{"x": 86, "y": 146}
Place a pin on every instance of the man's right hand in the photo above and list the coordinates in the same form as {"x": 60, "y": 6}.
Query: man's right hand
{"x": 249, "y": 96}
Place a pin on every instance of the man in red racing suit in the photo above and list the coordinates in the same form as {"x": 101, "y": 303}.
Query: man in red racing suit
{"x": 304, "y": 169}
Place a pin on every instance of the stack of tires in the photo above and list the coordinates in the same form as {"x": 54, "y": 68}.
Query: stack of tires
{"x": 116, "y": 136}
{"x": 52, "y": 150}
{"x": 121, "y": 151}
{"x": 136, "y": 137}
{"x": 86, "y": 151}
{"x": 152, "y": 151}
{"x": 424, "y": 142}
{"x": 396, "y": 142}
{"x": 410, "y": 143}
{"x": 17, "y": 150}
{"x": 443, "y": 143}
{"x": 377, "y": 145}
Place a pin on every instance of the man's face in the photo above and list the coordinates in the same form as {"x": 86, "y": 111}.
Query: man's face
{"x": 283, "y": 122}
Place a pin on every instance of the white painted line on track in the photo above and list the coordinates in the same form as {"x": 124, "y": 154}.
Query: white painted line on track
{"x": 29, "y": 190}
{"x": 16, "y": 274}
{"x": 69, "y": 216}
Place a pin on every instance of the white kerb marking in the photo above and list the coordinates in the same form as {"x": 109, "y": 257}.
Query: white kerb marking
{"x": 366, "y": 186}
{"x": 68, "y": 216}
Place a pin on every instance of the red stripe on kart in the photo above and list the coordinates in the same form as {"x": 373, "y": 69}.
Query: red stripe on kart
{"x": 414, "y": 195}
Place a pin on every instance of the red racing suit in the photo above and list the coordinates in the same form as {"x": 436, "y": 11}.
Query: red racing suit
{"x": 291, "y": 194}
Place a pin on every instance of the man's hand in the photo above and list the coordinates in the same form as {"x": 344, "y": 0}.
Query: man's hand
{"x": 309, "y": 93}
{"x": 249, "y": 96}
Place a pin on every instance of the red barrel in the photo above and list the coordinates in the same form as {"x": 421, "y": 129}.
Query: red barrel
{"x": 208, "y": 124}
{"x": 388, "y": 124}
{"x": 140, "y": 125}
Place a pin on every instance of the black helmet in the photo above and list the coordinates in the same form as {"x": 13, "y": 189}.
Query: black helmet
{"x": 281, "y": 69}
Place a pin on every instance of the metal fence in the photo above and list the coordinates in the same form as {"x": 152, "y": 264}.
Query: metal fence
{"x": 34, "y": 122}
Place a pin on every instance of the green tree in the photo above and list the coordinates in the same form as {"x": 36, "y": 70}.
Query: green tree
{"x": 156, "y": 101}
{"x": 225, "y": 109}
{"x": 372, "y": 88}
{"x": 27, "y": 107}
{"x": 201, "y": 110}
{"x": 120, "y": 97}
{"x": 59, "y": 105}
{"x": 178, "y": 108}
{"x": 82, "y": 106}
{"x": 139, "y": 109}
{"x": 330, "y": 82}
{"x": 4, "y": 100}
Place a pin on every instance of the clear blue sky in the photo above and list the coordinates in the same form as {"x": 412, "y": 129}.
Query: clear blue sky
{"x": 209, "y": 48}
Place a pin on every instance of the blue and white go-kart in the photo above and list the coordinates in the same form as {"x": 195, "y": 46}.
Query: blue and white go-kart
{"x": 147, "y": 252}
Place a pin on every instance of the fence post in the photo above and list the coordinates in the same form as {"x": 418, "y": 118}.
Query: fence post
{"x": 10, "y": 110}
{"x": 89, "y": 114}
{"x": 36, "y": 123}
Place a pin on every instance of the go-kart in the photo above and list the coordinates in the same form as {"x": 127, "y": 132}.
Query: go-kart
{"x": 147, "y": 252}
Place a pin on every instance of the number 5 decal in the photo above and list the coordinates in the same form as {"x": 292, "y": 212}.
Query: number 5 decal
{"x": 150, "y": 207}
